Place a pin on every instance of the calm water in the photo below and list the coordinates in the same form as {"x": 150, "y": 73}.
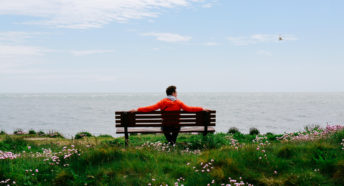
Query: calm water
{"x": 72, "y": 113}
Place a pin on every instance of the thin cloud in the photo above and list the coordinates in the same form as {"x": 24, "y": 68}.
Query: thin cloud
{"x": 96, "y": 75}
{"x": 81, "y": 14}
{"x": 208, "y": 5}
{"x": 260, "y": 38}
{"x": 168, "y": 37}
{"x": 240, "y": 41}
{"x": 211, "y": 44}
{"x": 89, "y": 52}
{"x": 264, "y": 53}
{"x": 11, "y": 45}
{"x": 21, "y": 50}
{"x": 15, "y": 37}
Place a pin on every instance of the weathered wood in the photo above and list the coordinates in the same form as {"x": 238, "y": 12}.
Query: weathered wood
{"x": 125, "y": 122}
{"x": 160, "y": 125}
{"x": 132, "y": 122}
{"x": 159, "y": 112}
{"x": 158, "y": 130}
{"x": 160, "y": 120}
{"x": 167, "y": 120}
{"x": 206, "y": 121}
{"x": 159, "y": 116}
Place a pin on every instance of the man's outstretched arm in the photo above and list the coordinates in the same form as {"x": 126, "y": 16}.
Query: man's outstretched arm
{"x": 191, "y": 109}
{"x": 148, "y": 108}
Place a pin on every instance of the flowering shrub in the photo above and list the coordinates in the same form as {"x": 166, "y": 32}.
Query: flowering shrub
{"x": 204, "y": 167}
{"x": 187, "y": 150}
{"x": 166, "y": 147}
{"x": 65, "y": 154}
{"x": 236, "y": 182}
{"x": 312, "y": 134}
{"x": 262, "y": 142}
{"x": 234, "y": 143}
{"x": 8, "y": 155}
{"x": 7, "y": 182}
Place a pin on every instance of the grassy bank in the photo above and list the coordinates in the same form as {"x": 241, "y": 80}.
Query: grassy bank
{"x": 311, "y": 157}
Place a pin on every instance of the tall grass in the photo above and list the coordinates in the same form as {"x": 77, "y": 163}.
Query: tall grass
{"x": 195, "y": 160}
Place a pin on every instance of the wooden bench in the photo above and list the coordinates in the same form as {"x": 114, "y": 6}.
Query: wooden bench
{"x": 151, "y": 122}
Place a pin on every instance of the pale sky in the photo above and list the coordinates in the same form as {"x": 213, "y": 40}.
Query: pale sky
{"x": 146, "y": 45}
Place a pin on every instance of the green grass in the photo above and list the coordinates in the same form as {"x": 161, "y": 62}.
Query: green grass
{"x": 104, "y": 160}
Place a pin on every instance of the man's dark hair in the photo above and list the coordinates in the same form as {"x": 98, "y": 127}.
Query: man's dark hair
{"x": 170, "y": 90}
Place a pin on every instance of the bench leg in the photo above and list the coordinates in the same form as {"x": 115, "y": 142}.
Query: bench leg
{"x": 126, "y": 135}
{"x": 205, "y": 130}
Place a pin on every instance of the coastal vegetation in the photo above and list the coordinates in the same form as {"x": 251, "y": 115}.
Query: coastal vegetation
{"x": 314, "y": 156}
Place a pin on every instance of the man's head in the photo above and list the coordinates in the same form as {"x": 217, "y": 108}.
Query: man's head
{"x": 171, "y": 91}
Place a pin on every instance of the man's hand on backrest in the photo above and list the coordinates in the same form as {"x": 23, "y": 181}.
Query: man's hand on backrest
{"x": 133, "y": 110}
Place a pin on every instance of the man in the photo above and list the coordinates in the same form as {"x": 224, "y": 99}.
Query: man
{"x": 170, "y": 103}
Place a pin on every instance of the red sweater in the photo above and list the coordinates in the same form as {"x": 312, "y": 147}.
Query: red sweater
{"x": 169, "y": 105}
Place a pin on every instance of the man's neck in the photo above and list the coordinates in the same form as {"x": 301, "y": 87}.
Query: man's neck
{"x": 172, "y": 98}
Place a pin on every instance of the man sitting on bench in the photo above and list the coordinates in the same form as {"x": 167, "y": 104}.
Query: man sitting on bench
{"x": 170, "y": 103}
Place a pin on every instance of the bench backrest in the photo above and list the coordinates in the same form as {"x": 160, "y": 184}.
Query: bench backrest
{"x": 160, "y": 118}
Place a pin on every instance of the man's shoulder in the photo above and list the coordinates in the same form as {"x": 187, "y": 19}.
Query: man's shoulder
{"x": 178, "y": 101}
{"x": 164, "y": 100}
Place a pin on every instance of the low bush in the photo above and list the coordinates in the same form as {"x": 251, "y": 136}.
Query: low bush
{"x": 32, "y": 131}
{"x": 19, "y": 132}
{"x": 54, "y": 134}
{"x": 233, "y": 130}
{"x": 41, "y": 133}
{"x": 105, "y": 136}
{"x": 82, "y": 135}
{"x": 254, "y": 131}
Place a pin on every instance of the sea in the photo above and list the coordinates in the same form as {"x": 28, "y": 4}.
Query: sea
{"x": 94, "y": 112}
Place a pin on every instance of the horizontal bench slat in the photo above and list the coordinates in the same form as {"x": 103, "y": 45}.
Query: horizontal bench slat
{"x": 168, "y": 120}
{"x": 160, "y": 125}
{"x": 158, "y": 130}
{"x": 159, "y": 112}
{"x": 159, "y": 116}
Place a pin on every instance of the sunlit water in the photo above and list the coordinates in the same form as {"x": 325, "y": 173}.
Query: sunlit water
{"x": 72, "y": 113}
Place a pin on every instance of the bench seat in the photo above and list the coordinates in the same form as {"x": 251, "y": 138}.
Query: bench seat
{"x": 158, "y": 130}
{"x": 151, "y": 122}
